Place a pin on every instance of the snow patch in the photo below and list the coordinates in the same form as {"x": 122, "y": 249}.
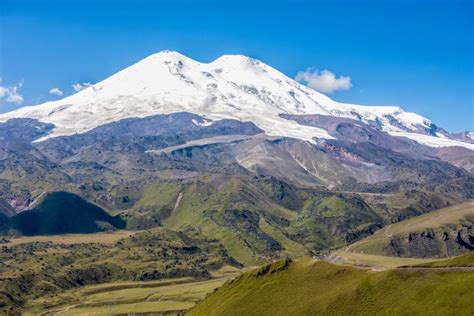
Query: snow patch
{"x": 432, "y": 141}
{"x": 204, "y": 123}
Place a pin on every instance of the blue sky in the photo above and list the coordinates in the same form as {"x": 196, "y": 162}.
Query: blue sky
{"x": 416, "y": 54}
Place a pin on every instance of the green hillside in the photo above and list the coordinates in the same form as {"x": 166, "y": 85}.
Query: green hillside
{"x": 309, "y": 287}
{"x": 466, "y": 260}
{"x": 48, "y": 270}
{"x": 262, "y": 219}
{"x": 258, "y": 220}
{"x": 442, "y": 233}
{"x": 62, "y": 213}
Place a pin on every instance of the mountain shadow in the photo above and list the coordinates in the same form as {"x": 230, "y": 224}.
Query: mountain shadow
{"x": 62, "y": 213}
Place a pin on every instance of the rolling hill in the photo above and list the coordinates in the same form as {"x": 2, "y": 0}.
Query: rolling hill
{"x": 46, "y": 268}
{"x": 442, "y": 233}
{"x": 234, "y": 147}
{"x": 309, "y": 287}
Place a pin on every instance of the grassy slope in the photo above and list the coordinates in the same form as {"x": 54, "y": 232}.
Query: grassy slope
{"x": 201, "y": 207}
{"x": 452, "y": 215}
{"x": 156, "y": 203}
{"x": 131, "y": 297}
{"x": 260, "y": 219}
{"x": 466, "y": 260}
{"x": 307, "y": 287}
{"x": 297, "y": 220}
{"x": 71, "y": 239}
{"x": 375, "y": 262}
{"x": 39, "y": 269}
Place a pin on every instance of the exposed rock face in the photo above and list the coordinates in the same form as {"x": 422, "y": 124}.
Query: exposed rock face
{"x": 269, "y": 194}
{"x": 353, "y": 131}
{"x": 6, "y": 209}
{"x": 457, "y": 156}
{"x": 433, "y": 243}
{"x": 24, "y": 129}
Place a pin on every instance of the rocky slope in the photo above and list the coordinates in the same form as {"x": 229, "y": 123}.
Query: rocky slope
{"x": 446, "y": 232}
{"x": 432, "y": 243}
{"x": 263, "y": 196}
{"x": 235, "y": 148}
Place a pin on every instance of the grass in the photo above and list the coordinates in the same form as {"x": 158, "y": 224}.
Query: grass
{"x": 232, "y": 241}
{"x": 45, "y": 270}
{"x": 466, "y": 260}
{"x": 130, "y": 308}
{"x": 290, "y": 247}
{"x": 117, "y": 286}
{"x": 67, "y": 239}
{"x": 309, "y": 287}
{"x": 333, "y": 206}
{"x": 374, "y": 262}
{"x": 158, "y": 194}
{"x": 250, "y": 217}
{"x": 450, "y": 216}
{"x": 200, "y": 208}
{"x": 131, "y": 297}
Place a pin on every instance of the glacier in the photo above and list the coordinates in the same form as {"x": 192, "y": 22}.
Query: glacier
{"x": 230, "y": 87}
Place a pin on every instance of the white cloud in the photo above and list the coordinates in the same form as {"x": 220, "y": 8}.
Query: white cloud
{"x": 56, "y": 91}
{"x": 11, "y": 94}
{"x": 80, "y": 86}
{"x": 323, "y": 81}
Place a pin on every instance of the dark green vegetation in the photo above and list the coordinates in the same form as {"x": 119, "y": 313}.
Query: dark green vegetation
{"x": 60, "y": 213}
{"x": 308, "y": 287}
{"x": 261, "y": 197}
{"x": 170, "y": 296}
{"x": 261, "y": 218}
{"x": 31, "y": 270}
{"x": 254, "y": 218}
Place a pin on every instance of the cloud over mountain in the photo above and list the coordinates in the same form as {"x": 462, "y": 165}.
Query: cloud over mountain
{"x": 56, "y": 91}
{"x": 80, "y": 86}
{"x": 323, "y": 81}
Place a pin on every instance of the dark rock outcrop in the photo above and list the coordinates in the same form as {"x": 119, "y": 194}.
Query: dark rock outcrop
{"x": 443, "y": 242}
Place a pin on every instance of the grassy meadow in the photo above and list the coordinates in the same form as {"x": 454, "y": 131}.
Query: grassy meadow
{"x": 169, "y": 295}
{"x": 309, "y": 287}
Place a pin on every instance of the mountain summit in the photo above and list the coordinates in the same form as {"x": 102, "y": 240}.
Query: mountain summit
{"x": 230, "y": 87}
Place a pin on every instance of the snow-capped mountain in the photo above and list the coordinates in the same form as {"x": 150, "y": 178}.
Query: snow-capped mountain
{"x": 230, "y": 87}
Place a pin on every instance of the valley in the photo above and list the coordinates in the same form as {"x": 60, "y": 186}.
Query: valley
{"x": 139, "y": 274}
{"x": 228, "y": 188}
{"x": 102, "y": 238}
{"x": 52, "y": 268}
{"x": 172, "y": 296}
